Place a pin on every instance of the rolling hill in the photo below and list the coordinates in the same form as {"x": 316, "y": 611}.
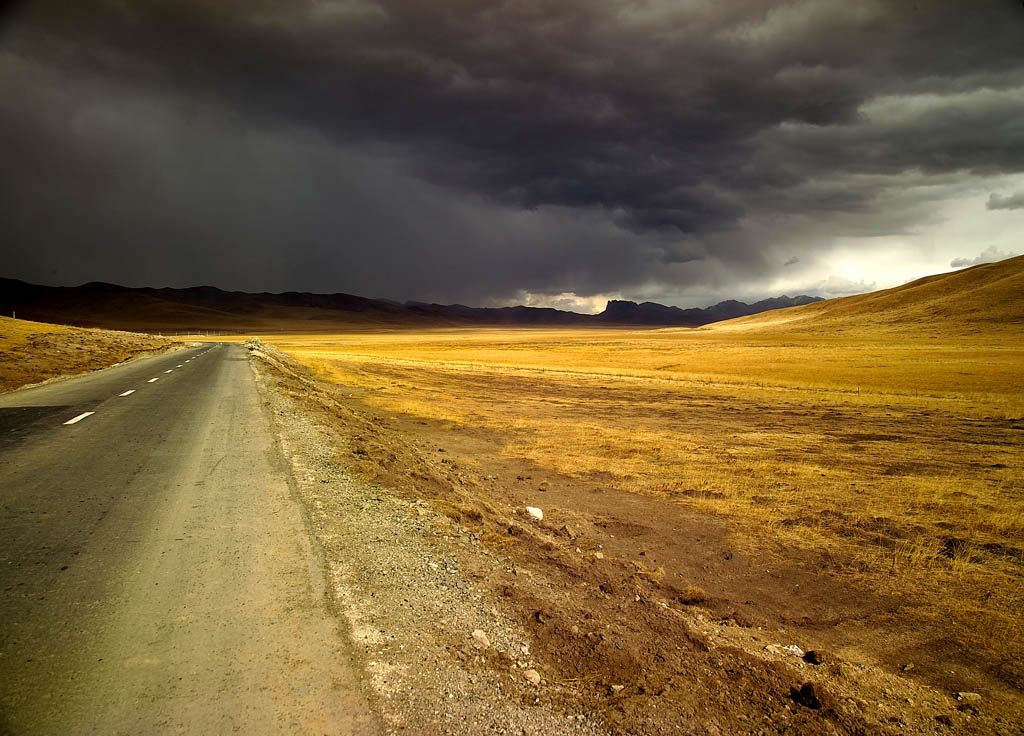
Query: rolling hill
{"x": 981, "y": 299}
{"x": 208, "y": 308}
{"x": 199, "y": 308}
{"x": 31, "y": 352}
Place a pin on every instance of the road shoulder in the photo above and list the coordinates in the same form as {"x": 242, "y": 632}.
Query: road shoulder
{"x": 400, "y": 574}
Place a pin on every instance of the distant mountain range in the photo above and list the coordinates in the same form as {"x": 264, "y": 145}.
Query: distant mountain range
{"x": 208, "y": 308}
{"x": 616, "y": 312}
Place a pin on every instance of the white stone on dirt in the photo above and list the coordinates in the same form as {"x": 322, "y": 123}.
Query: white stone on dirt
{"x": 480, "y": 640}
{"x": 534, "y": 513}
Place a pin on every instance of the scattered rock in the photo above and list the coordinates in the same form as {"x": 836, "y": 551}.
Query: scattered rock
{"x": 480, "y": 640}
{"x": 534, "y": 513}
{"x": 806, "y": 695}
{"x": 907, "y": 667}
{"x": 568, "y": 531}
{"x": 737, "y": 618}
{"x": 788, "y": 649}
{"x": 618, "y": 688}
{"x": 968, "y": 697}
{"x": 944, "y": 719}
{"x": 532, "y": 676}
{"x": 599, "y": 555}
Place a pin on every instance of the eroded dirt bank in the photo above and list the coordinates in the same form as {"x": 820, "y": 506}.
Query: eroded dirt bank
{"x": 614, "y": 614}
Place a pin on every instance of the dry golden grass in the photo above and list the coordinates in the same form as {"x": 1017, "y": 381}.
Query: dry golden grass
{"x": 33, "y": 351}
{"x": 897, "y": 462}
{"x": 983, "y": 300}
{"x": 877, "y": 436}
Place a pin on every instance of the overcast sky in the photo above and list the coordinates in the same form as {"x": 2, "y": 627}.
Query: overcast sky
{"x": 495, "y": 151}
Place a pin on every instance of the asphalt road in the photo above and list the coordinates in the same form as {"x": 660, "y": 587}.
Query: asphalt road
{"x": 156, "y": 574}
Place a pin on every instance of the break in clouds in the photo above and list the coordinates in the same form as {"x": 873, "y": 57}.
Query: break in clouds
{"x": 492, "y": 151}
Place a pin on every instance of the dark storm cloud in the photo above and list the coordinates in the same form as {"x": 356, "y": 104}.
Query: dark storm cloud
{"x": 1008, "y": 202}
{"x": 579, "y": 145}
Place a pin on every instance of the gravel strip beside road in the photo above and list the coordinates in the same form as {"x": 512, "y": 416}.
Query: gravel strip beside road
{"x": 396, "y": 573}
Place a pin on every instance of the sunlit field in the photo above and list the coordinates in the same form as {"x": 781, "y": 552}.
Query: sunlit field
{"x": 896, "y": 461}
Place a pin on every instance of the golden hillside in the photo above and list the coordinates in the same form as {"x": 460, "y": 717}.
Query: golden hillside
{"x": 31, "y": 352}
{"x": 980, "y": 299}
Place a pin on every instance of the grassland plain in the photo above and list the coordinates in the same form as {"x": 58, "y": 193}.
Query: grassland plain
{"x": 843, "y": 481}
{"x": 31, "y": 352}
{"x": 889, "y": 467}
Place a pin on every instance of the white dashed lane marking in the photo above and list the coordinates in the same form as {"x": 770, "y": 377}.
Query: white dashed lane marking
{"x": 129, "y": 392}
{"x": 80, "y": 417}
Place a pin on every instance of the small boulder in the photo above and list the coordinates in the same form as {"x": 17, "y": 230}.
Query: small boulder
{"x": 480, "y": 640}
{"x": 532, "y": 676}
{"x": 535, "y": 513}
{"x": 806, "y": 695}
{"x": 968, "y": 697}
{"x": 818, "y": 656}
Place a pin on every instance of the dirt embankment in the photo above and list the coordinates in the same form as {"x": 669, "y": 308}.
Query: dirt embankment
{"x": 32, "y": 352}
{"x": 614, "y": 613}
